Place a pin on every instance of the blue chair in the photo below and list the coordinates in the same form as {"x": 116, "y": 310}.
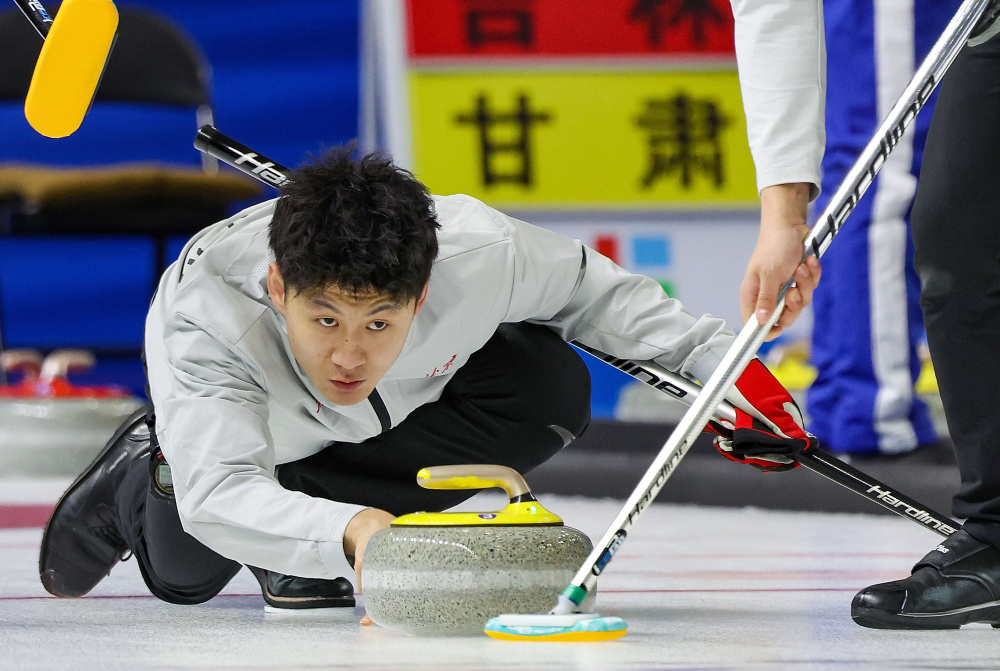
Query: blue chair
{"x": 87, "y": 222}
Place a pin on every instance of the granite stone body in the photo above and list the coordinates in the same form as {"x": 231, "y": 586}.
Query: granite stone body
{"x": 451, "y": 580}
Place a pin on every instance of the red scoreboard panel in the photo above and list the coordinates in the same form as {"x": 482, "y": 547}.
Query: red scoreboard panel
{"x": 570, "y": 28}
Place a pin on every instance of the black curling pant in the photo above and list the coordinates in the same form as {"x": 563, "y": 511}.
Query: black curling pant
{"x": 956, "y": 231}
{"x": 518, "y": 401}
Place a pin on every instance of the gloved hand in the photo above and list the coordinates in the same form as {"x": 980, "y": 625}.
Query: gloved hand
{"x": 768, "y": 431}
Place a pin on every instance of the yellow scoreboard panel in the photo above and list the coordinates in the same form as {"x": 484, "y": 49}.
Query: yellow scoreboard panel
{"x": 583, "y": 139}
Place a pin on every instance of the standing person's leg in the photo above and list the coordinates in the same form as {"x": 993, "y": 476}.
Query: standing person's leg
{"x": 957, "y": 237}
{"x": 866, "y": 331}
{"x": 864, "y": 343}
{"x": 520, "y": 399}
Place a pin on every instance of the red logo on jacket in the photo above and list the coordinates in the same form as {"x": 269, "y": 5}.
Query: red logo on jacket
{"x": 444, "y": 369}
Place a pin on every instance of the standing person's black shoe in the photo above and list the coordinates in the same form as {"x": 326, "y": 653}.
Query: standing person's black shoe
{"x": 957, "y": 583}
{"x": 289, "y": 592}
{"x": 82, "y": 543}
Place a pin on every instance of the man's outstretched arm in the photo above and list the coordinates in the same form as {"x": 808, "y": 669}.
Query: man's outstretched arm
{"x": 780, "y": 49}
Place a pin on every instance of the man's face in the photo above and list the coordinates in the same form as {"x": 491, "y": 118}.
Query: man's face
{"x": 344, "y": 343}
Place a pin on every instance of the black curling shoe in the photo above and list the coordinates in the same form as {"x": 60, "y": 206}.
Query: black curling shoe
{"x": 289, "y": 592}
{"x": 81, "y": 542}
{"x": 957, "y": 583}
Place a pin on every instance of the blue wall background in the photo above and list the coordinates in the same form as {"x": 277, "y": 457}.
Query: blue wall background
{"x": 285, "y": 82}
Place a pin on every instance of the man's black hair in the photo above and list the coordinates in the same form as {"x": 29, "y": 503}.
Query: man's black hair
{"x": 363, "y": 226}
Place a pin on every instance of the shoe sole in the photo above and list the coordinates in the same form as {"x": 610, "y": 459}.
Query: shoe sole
{"x": 285, "y": 603}
{"x": 988, "y": 613}
{"x": 49, "y": 578}
{"x": 318, "y": 613}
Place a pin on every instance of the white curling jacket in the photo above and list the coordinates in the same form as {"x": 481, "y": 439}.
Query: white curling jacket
{"x": 781, "y": 54}
{"x": 231, "y": 402}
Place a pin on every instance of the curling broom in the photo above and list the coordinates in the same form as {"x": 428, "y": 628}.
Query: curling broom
{"x": 69, "y": 68}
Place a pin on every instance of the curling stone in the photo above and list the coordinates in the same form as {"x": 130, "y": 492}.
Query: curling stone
{"x": 49, "y": 426}
{"x": 448, "y": 573}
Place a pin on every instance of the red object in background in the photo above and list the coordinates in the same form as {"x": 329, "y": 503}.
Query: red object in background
{"x": 471, "y": 28}
{"x": 46, "y": 378}
{"x": 607, "y": 245}
{"x": 57, "y": 388}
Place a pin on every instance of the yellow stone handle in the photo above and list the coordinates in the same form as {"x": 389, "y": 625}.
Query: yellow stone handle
{"x": 474, "y": 476}
{"x": 523, "y": 508}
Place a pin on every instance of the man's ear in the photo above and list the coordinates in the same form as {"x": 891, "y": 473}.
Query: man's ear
{"x": 276, "y": 287}
{"x": 421, "y": 299}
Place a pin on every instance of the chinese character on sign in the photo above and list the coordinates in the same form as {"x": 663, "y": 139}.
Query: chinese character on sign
{"x": 663, "y": 15}
{"x": 515, "y": 153}
{"x": 684, "y": 138}
{"x": 500, "y": 22}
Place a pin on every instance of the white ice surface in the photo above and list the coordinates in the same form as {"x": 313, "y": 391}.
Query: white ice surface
{"x": 26, "y": 491}
{"x": 700, "y": 588}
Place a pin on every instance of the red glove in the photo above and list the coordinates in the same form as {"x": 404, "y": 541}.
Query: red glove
{"x": 768, "y": 432}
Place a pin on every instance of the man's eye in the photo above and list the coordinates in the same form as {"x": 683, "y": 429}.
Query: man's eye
{"x": 378, "y": 326}
{"x": 327, "y": 321}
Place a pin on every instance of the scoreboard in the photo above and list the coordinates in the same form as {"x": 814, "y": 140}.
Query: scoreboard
{"x": 568, "y": 104}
